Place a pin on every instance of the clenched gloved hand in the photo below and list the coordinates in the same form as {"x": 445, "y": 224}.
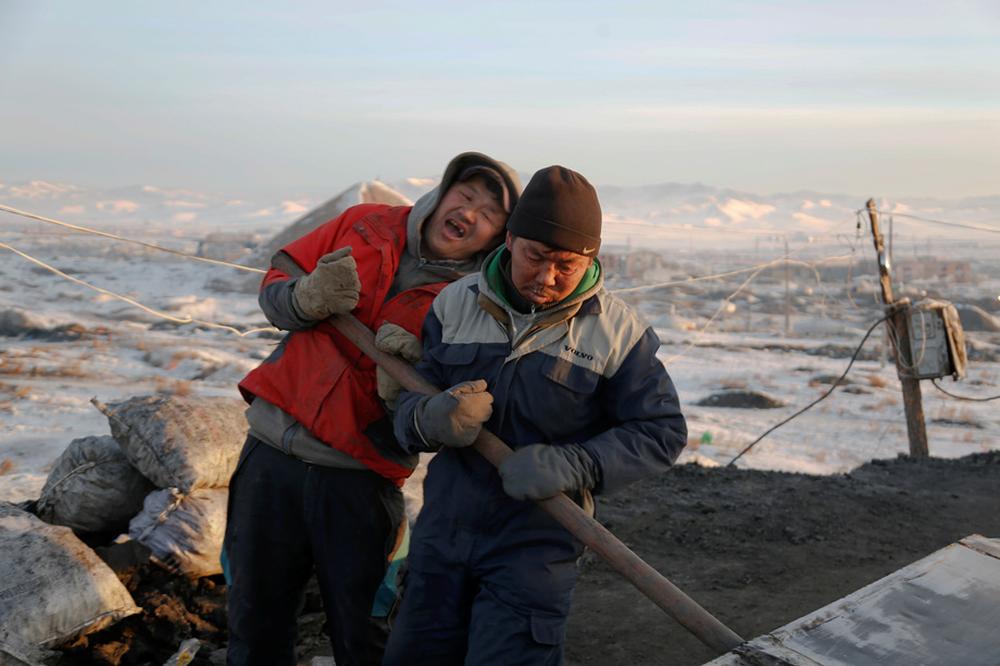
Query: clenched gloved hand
{"x": 454, "y": 417}
{"x": 539, "y": 471}
{"x": 332, "y": 288}
{"x": 393, "y": 339}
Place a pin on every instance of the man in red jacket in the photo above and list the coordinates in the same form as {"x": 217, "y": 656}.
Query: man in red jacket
{"x": 317, "y": 485}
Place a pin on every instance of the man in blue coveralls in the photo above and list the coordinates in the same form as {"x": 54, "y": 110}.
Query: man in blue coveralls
{"x": 535, "y": 350}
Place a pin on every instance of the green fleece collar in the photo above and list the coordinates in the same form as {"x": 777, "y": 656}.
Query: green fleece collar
{"x": 493, "y": 270}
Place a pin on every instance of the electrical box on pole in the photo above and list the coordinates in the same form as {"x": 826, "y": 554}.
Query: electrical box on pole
{"x": 937, "y": 341}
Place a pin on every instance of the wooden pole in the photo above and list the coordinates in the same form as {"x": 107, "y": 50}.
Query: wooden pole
{"x": 788, "y": 296}
{"x": 595, "y": 536}
{"x": 899, "y": 333}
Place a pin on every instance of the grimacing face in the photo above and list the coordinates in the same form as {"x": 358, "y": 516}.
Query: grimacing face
{"x": 467, "y": 220}
{"x": 544, "y": 275}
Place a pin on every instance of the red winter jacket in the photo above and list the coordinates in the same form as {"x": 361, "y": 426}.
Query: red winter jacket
{"x": 317, "y": 375}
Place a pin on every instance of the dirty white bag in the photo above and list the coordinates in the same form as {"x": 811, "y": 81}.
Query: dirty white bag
{"x": 92, "y": 487}
{"x": 53, "y": 587}
{"x": 183, "y": 442}
{"x": 183, "y": 532}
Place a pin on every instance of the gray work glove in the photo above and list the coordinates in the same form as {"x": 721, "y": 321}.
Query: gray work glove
{"x": 332, "y": 288}
{"x": 539, "y": 471}
{"x": 393, "y": 339}
{"x": 453, "y": 417}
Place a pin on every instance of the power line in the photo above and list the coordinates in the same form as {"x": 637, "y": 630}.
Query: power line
{"x": 962, "y": 397}
{"x": 817, "y": 400}
{"x": 961, "y": 225}
{"x": 725, "y": 301}
{"x": 105, "y": 234}
{"x": 132, "y": 301}
{"x": 750, "y": 269}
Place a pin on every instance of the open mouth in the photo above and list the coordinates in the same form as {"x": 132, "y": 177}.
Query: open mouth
{"x": 454, "y": 229}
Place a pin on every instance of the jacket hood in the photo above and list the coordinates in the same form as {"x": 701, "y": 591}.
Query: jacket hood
{"x": 425, "y": 206}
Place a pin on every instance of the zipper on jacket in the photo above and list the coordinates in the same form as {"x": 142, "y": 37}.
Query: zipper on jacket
{"x": 511, "y": 374}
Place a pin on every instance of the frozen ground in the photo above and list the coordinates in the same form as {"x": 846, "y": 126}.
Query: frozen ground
{"x": 63, "y": 344}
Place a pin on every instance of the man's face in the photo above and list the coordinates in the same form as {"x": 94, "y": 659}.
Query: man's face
{"x": 468, "y": 219}
{"x": 544, "y": 275}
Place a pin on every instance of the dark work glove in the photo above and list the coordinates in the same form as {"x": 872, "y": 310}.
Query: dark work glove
{"x": 539, "y": 471}
{"x": 332, "y": 288}
{"x": 453, "y": 417}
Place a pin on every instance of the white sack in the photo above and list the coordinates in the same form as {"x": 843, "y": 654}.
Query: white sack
{"x": 92, "y": 487}
{"x": 184, "y": 532}
{"x": 53, "y": 588}
{"x": 180, "y": 442}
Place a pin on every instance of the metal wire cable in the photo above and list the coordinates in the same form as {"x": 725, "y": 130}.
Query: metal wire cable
{"x": 817, "y": 400}
{"x": 912, "y": 366}
{"x": 962, "y": 397}
{"x": 715, "y": 276}
{"x": 690, "y": 345}
{"x": 132, "y": 301}
{"x": 105, "y": 234}
{"x": 961, "y": 225}
{"x": 728, "y": 299}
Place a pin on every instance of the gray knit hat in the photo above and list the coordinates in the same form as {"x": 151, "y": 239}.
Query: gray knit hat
{"x": 559, "y": 208}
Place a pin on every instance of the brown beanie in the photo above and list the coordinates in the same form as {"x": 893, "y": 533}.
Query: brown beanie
{"x": 559, "y": 208}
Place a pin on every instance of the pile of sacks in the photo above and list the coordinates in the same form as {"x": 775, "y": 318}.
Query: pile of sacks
{"x": 161, "y": 477}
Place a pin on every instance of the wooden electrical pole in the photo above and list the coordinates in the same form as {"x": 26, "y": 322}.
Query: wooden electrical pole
{"x": 899, "y": 333}
{"x": 788, "y": 295}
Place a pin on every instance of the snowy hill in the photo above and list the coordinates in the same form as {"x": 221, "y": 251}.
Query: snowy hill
{"x": 367, "y": 192}
{"x": 658, "y": 214}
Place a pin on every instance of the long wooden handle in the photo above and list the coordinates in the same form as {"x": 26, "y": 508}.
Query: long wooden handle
{"x": 595, "y": 536}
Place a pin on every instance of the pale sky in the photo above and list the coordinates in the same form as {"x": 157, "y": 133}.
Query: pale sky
{"x": 895, "y": 98}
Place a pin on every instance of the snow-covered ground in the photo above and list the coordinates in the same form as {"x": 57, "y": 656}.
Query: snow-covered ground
{"x": 856, "y": 423}
{"x": 62, "y": 344}
{"x": 74, "y": 344}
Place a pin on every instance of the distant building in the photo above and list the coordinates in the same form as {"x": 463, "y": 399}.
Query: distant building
{"x": 931, "y": 268}
{"x": 227, "y": 246}
{"x": 631, "y": 265}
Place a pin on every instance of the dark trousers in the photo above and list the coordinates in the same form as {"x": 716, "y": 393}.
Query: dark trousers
{"x": 489, "y": 579}
{"x": 287, "y": 517}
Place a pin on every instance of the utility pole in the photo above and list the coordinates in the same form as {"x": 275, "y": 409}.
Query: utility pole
{"x": 788, "y": 298}
{"x": 898, "y": 323}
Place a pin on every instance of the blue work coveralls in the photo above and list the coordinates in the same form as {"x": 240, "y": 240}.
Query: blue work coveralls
{"x": 491, "y": 578}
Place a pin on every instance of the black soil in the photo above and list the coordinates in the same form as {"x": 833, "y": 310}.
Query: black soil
{"x": 760, "y": 549}
{"x": 757, "y": 549}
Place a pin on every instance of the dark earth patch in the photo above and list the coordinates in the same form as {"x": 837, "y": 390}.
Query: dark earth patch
{"x": 760, "y": 549}
{"x": 741, "y": 399}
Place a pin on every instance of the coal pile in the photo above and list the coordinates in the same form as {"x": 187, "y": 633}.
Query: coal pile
{"x": 759, "y": 549}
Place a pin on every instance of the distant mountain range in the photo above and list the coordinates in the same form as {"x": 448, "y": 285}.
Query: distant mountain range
{"x": 156, "y": 208}
{"x": 641, "y": 215}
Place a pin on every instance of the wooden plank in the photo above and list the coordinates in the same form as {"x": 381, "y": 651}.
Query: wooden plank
{"x": 983, "y": 545}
